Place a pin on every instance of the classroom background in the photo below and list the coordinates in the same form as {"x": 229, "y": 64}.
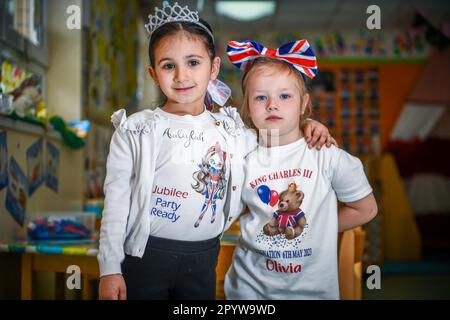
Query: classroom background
{"x": 66, "y": 65}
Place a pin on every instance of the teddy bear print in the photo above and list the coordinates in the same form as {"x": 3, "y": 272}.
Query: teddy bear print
{"x": 289, "y": 219}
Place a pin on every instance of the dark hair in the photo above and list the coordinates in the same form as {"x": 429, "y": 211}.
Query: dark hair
{"x": 174, "y": 27}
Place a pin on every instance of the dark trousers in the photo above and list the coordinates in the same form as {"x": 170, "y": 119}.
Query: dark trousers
{"x": 172, "y": 269}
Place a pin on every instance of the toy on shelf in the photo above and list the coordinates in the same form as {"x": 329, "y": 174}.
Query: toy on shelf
{"x": 80, "y": 128}
{"x": 26, "y": 103}
{"x": 6, "y": 102}
{"x": 57, "y": 229}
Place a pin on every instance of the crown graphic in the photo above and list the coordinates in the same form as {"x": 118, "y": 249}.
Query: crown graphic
{"x": 173, "y": 13}
{"x": 292, "y": 186}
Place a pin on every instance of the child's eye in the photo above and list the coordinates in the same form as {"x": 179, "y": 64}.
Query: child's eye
{"x": 285, "y": 96}
{"x": 193, "y": 63}
{"x": 168, "y": 66}
{"x": 261, "y": 98}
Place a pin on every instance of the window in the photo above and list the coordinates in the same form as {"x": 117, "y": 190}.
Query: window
{"x": 23, "y": 28}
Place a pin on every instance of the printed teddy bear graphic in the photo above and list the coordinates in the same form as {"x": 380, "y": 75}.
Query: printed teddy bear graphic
{"x": 289, "y": 219}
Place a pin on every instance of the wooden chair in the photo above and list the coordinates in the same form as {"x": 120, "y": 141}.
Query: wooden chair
{"x": 350, "y": 252}
{"x": 224, "y": 262}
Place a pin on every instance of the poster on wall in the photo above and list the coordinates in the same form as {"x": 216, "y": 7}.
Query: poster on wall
{"x": 3, "y": 161}
{"x": 35, "y": 164}
{"x": 16, "y": 195}
{"x": 111, "y": 81}
{"x": 52, "y": 168}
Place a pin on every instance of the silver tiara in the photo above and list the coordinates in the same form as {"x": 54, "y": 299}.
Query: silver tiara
{"x": 174, "y": 13}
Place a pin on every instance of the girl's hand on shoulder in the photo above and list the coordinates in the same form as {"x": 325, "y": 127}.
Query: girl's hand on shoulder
{"x": 112, "y": 287}
{"x": 316, "y": 135}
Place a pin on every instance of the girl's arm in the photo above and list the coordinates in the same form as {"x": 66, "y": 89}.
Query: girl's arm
{"x": 117, "y": 187}
{"x": 316, "y": 134}
{"x": 357, "y": 213}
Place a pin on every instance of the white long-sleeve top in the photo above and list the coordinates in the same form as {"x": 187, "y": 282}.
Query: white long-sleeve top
{"x": 130, "y": 171}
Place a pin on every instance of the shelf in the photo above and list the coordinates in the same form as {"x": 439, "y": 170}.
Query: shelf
{"x": 25, "y": 127}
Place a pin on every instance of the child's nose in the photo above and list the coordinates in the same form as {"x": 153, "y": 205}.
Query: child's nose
{"x": 181, "y": 74}
{"x": 272, "y": 105}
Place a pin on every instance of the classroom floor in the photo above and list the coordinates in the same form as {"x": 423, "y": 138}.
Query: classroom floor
{"x": 421, "y": 280}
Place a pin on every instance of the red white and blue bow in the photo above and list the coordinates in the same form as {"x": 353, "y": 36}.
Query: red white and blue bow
{"x": 296, "y": 53}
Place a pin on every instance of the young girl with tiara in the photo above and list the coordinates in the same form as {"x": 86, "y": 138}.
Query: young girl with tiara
{"x": 171, "y": 187}
{"x": 288, "y": 244}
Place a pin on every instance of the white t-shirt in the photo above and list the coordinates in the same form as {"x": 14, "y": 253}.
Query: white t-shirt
{"x": 190, "y": 178}
{"x": 272, "y": 267}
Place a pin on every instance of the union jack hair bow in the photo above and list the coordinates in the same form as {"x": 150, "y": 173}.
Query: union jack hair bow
{"x": 296, "y": 53}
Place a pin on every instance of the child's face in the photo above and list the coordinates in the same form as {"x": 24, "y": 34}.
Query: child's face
{"x": 183, "y": 69}
{"x": 275, "y": 103}
{"x": 216, "y": 162}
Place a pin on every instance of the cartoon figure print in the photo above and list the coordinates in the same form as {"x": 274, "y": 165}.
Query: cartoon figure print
{"x": 289, "y": 218}
{"x": 210, "y": 180}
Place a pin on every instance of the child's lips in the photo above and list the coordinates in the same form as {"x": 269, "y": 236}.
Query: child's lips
{"x": 273, "y": 118}
{"x": 183, "y": 89}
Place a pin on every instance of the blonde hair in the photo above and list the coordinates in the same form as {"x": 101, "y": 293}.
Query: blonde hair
{"x": 264, "y": 64}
